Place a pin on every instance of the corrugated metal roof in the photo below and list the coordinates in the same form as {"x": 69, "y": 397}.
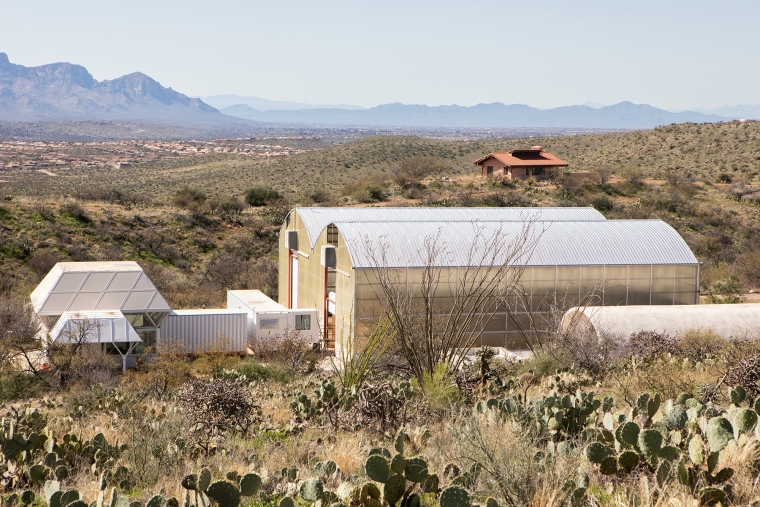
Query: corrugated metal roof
{"x": 316, "y": 219}
{"x": 608, "y": 242}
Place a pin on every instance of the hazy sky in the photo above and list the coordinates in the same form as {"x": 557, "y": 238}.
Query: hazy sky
{"x": 671, "y": 54}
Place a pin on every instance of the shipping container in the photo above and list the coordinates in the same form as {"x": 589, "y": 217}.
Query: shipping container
{"x": 201, "y": 331}
{"x": 270, "y": 322}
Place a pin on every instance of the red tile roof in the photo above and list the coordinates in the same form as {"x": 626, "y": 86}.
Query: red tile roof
{"x": 535, "y": 156}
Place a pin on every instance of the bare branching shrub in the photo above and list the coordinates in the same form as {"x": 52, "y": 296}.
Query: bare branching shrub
{"x": 217, "y": 406}
{"x": 158, "y": 375}
{"x": 426, "y": 335}
{"x": 43, "y": 260}
{"x": 603, "y": 174}
{"x": 651, "y": 343}
{"x": 745, "y": 373}
{"x": 410, "y": 171}
{"x": 288, "y": 349}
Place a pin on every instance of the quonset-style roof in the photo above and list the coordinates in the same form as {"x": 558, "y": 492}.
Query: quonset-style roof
{"x": 86, "y": 286}
{"x": 736, "y": 321}
{"x": 607, "y": 242}
{"x": 94, "y": 327}
{"x": 316, "y": 219}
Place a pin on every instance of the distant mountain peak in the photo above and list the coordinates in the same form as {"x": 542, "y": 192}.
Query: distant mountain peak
{"x": 67, "y": 91}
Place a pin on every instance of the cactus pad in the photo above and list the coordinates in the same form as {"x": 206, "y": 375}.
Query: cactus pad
{"x": 719, "y": 432}
{"x": 416, "y": 469}
{"x": 597, "y": 452}
{"x": 311, "y": 490}
{"x": 454, "y": 496}
{"x": 224, "y": 493}
{"x": 650, "y": 443}
{"x": 156, "y": 501}
{"x": 250, "y": 484}
{"x": 628, "y": 460}
{"x": 628, "y": 433}
{"x": 190, "y": 482}
{"x": 377, "y": 468}
{"x": 204, "y": 480}
{"x": 744, "y": 421}
{"x": 286, "y": 502}
{"x": 394, "y": 489}
{"x": 398, "y": 464}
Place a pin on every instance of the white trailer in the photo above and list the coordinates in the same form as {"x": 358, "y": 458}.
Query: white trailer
{"x": 269, "y": 321}
{"x": 203, "y": 331}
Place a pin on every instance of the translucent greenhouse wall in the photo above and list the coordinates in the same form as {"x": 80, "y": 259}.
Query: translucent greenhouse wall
{"x": 541, "y": 295}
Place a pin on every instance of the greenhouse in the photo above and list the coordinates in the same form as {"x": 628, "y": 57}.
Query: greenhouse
{"x": 334, "y": 260}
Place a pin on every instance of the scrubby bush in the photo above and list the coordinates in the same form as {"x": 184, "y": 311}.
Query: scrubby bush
{"x": 367, "y": 189}
{"x": 188, "y": 198}
{"x": 262, "y": 195}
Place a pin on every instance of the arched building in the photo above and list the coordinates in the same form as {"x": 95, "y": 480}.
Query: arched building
{"x": 330, "y": 257}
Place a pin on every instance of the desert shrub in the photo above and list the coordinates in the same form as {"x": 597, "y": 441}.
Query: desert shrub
{"x": 43, "y": 260}
{"x": 261, "y": 195}
{"x": 409, "y": 172}
{"x": 289, "y": 351}
{"x": 700, "y": 344}
{"x": 230, "y": 207}
{"x": 259, "y": 372}
{"x": 724, "y": 178}
{"x": 634, "y": 175}
{"x": 214, "y": 407}
{"x": 155, "y": 445}
{"x": 602, "y": 203}
{"x": 745, "y": 373}
{"x": 748, "y": 267}
{"x": 188, "y": 198}
{"x": 158, "y": 375}
{"x": 439, "y": 388}
{"x": 320, "y": 195}
{"x": 651, "y": 343}
{"x": 367, "y": 189}
{"x": 18, "y": 385}
{"x": 75, "y": 211}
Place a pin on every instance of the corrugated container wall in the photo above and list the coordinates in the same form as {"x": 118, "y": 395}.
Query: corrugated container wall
{"x": 199, "y": 331}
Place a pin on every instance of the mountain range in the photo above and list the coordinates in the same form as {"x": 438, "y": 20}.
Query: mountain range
{"x": 624, "y": 115}
{"x": 65, "y": 91}
{"x": 222, "y": 101}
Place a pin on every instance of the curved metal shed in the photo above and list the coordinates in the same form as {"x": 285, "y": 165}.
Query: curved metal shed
{"x": 598, "y": 243}
{"x": 316, "y": 219}
{"x": 726, "y": 320}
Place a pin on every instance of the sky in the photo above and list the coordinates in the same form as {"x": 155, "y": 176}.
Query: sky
{"x": 674, "y": 54}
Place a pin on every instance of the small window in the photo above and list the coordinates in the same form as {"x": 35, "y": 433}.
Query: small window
{"x": 269, "y": 324}
{"x": 303, "y": 322}
{"x": 332, "y": 235}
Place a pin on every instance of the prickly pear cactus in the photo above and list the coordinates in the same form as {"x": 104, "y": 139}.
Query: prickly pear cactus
{"x": 454, "y": 496}
{"x": 224, "y": 493}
